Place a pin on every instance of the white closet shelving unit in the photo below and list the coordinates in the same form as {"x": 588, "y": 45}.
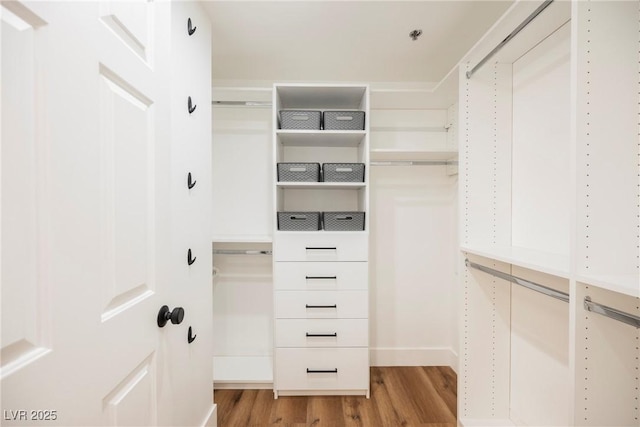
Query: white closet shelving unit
{"x": 549, "y": 194}
{"x": 321, "y": 300}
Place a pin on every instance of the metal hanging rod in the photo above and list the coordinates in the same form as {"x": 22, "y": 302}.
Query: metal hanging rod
{"x": 413, "y": 163}
{"x": 618, "y": 315}
{"x": 518, "y": 281}
{"x": 241, "y": 252}
{"x": 243, "y": 103}
{"x": 507, "y": 39}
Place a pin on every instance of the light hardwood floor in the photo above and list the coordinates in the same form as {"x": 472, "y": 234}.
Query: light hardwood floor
{"x": 400, "y": 396}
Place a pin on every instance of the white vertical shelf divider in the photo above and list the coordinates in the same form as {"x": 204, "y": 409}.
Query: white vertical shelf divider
{"x": 607, "y": 237}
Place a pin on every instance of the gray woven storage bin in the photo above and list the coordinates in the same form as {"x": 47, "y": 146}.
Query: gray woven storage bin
{"x": 295, "y": 172}
{"x": 300, "y": 119}
{"x": 343, "y": 221}
{"x": 343, "y": 172}
{"x": 343, "y": 120}
{"x": 299, "y": 221}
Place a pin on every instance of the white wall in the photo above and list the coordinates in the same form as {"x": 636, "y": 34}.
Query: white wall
{"x": 413, "y": 248}
{"x": 242, "y": 168}
{"x": 541, "y": 134}
{"x": 413, "y": 245}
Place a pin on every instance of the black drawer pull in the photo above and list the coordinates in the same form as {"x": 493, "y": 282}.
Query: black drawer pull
{"x": 321, "y": 306}
{"x": 321, "y": 277}
{"x": 322, "y": 371}
{"x": 320, "y": 249}
{"x": 335, "y": 334}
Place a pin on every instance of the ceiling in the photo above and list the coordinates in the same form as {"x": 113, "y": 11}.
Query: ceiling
{"x": 364, "y": 41}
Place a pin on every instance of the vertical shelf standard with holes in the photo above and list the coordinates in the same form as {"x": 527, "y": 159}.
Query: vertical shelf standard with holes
{"x": 321, "y": 285}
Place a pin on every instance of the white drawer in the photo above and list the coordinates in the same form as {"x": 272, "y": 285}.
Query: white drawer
{"x": 321, "y": 246}
{"x": 321, "y": 304}
{"x": 322, "y": 369}
{"x": 321, "y": 275}
{"x": 322, "y": 333}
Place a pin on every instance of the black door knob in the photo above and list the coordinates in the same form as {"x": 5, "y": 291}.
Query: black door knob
{"x": 164, "y": 315}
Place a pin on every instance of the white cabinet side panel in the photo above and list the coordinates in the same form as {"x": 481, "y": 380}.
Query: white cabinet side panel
{"x": 485, "y": 156}
{"x": 608, "y": 196}
{"x": 483, "y": 392}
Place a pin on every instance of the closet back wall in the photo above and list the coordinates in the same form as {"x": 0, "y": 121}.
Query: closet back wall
{"x": 413, "y": 245}
{"x": 242, "y": 286}
{"x": 242, "y": 173}
{"x": 412, "y": 237}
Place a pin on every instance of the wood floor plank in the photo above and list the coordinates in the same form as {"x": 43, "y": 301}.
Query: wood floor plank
{"x": 288, "y": 411}
{"x": 241, "y": 412}
{"x": 358, "y": 411}
{"x": 445, "y": 382}
{"x": 400, "y": 397}
{"x": 227, "y": 401}
{"x": 382, "y": 400}
{"x": 433, "y": 408}
{"x": 325, "y": 411}
{"x": 261, "y": 410}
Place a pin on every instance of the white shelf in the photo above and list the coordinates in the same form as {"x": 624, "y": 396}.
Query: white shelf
{"x": 554, "y": 264}
{"x": 325, "y": 232}
{"x": 242, "y": 239}
{"x": 321, "y": 97}
{"x": 320, "y": 138}
{"x": 627, "y": 284}
{"x": 391, "y": 154}
{"x": 242, "y": 371}
{"x": 436, "y": 129}
{"x": 322, "y": 185}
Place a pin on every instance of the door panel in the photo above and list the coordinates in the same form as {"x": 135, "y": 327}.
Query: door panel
{"x": 133, "y": 401}
{"x": 131, "y": 22}
{"x": 25, "y": 337}
{"x": 128, "y": 147}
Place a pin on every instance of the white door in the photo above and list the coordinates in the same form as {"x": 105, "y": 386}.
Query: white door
{"x": 87, "y": 219}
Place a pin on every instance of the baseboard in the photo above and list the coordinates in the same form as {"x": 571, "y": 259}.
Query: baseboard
{"x": 211, "y": 419}
{"x": 413, "y": 356}
{"x": 240, "y": 385}
{"x": 468, "y": 422}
